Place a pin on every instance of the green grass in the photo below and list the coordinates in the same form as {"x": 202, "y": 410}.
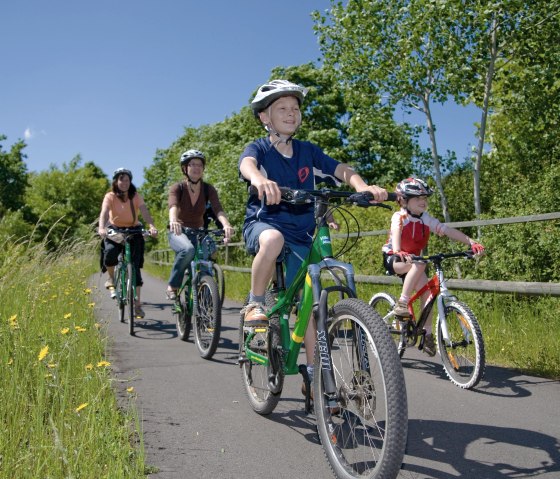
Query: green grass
{"x": 60, "y": 416}
{"x": 519, "y": 332}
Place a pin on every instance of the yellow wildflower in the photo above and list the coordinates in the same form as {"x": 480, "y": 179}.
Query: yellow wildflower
{"x": 81, "y": 406}
{"x": 87, "y": 290}
{"x": 64, "y": 330}
{"x": 51, "y": 365}
{"x": 91, "y": 305}
{"x": 80, "y": 329}
{"x": 48, "y": 375}
{"x": 89, "y": 367}
{"x": 10, "y": 361}
{"x": 103, "y": 364}
{"x": 43, "y": 353}
{"x": 67, "y": 315}
{"x": 130, "y": 389}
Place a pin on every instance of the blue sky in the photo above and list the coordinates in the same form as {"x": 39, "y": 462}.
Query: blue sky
{"x": 114, "y": 80}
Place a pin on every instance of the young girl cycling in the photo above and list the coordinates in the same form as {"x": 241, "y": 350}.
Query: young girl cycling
{"x": 409, "y": 235}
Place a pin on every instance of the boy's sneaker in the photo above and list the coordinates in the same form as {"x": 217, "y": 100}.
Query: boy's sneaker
{"x": 109, "y": 284}
{"x": 254, "y": 314}
{"x": 401, "y": 309}
{"x": 429, "y": 345}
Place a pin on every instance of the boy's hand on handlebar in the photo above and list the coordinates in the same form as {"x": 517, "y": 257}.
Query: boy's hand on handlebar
{"x": 268, "y": 188}
{"x": 379, "y": 194}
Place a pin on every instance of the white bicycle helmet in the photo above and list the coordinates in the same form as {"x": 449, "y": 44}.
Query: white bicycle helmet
{"x": 122, "y": 171}
{"x": 189, "y": 155}
{"x": 270, "y": 92}
{"x": 413, "y": 187}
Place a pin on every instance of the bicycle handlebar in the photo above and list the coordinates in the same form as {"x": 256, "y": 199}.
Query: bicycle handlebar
{"x": 203, "y": 231}
{"x": 469, "y": 254}
{"x": 126, "y": 232}
{"x": 301, "y": 197}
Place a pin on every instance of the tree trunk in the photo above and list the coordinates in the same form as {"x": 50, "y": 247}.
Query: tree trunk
{"x": 435, "y": 156}
{"x": 484, "y": 116}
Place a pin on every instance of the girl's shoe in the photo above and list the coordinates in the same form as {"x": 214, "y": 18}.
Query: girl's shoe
{"x": 171, "y": 294}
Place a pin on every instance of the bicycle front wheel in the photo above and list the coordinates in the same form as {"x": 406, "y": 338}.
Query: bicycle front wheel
{"x": 219, "y": 277}
{"x": 130, "y": 298}
{"x": 463, "y": 355}
{"x": 363, "y": 432}
{"x": 208, "y": 317}
{"x": 119, "y": 295}
{"x": 262, "y": 383}
{"x": 384, "y": 303}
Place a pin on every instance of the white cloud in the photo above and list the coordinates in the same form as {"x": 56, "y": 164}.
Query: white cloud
{"x": 28, "y": 134}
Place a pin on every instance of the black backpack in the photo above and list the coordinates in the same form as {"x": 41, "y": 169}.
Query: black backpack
{"x": 209, "y": 212}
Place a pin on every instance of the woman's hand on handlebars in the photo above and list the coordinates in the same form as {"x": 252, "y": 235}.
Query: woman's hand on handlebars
{"x": 153, "y": 231}
{"x": 102, "y": 232}
{"x": 176, "y": 228}
{"x": 228, "y": 233}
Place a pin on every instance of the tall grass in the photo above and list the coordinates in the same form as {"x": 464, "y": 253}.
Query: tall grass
{"x": 59, "y": 414}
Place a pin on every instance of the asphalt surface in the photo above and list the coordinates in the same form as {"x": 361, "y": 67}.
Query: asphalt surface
{"x": 197, "y": 422}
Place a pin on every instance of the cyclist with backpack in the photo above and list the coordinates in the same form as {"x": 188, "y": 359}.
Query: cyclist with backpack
{"x": 188, "y": 203}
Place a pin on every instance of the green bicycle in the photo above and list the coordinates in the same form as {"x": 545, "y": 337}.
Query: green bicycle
{"x": 198, "y": 299}
{"x": 125, "y": 274}
{"x": 358, "y": 385}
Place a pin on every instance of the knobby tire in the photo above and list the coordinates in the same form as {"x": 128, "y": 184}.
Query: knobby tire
{"x": 130, "y": 298}
{"x": 464, "y": 359}
{"x": 365, "y": 434}
{"x": 263, "y": 384}
{"x": 208, "y": 317}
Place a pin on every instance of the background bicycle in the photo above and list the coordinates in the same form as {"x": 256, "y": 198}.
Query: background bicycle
{"x": 459, "y": 337}
{"x": 198, "y": 299}
{"x": 124, "y": 291}
{"x": 358, "y": 384}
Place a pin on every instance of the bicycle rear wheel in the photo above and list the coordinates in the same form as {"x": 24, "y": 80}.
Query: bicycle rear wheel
{"x": 183, "y": 317}
{"x": 208, "y": 317}
{"x": 121, "y": 302}
{"x": 364, "y": 432}
{"x": 384, "y": 303}
{"x": 219, "y": 277}
{"x": 130, "y": 298}
{"x": 463, "y": 357}
{"x": 262, "y": 383}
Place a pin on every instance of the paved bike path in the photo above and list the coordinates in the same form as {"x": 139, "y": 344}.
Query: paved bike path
{"x": 197, "y": 422}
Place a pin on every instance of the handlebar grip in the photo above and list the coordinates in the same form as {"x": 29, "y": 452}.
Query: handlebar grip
{"x": 391, "y": 197}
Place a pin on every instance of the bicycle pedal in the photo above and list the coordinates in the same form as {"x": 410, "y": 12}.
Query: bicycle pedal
{"x": 255, "y": 329}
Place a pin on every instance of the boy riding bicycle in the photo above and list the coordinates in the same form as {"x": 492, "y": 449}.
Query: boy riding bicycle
{"x": 280, "y": 160}
{"x": 409, "y": 235}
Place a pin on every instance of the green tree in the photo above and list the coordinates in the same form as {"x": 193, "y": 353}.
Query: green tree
{"x": 13, "y": 177}
{"x": 66, "y": 202}
{"x": 401, "y": 52}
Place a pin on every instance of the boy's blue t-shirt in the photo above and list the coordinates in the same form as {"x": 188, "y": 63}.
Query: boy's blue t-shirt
{"x": 308, "y": 167}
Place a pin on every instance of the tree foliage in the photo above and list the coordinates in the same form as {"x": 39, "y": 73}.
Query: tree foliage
{"x": 13, "y": 177}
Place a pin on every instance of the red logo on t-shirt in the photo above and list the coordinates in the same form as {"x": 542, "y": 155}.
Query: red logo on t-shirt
{"x": 303, "y": 173}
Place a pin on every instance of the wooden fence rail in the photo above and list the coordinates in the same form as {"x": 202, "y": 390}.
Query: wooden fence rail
{"x": 165, "y": 257}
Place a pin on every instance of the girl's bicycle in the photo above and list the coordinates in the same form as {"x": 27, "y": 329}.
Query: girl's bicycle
{"x": 458, "y": 333}
{"x": 198, "y": 299}
{"x": 125, "y": 273}
{"x": 358, "y": 385}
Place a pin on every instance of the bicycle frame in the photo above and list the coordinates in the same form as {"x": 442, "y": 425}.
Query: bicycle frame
{"x": 313, "y": 301}
{"x": 438, "y": 292}
{"x": 199, "y": 266}
{"x": 125, "y": 258}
